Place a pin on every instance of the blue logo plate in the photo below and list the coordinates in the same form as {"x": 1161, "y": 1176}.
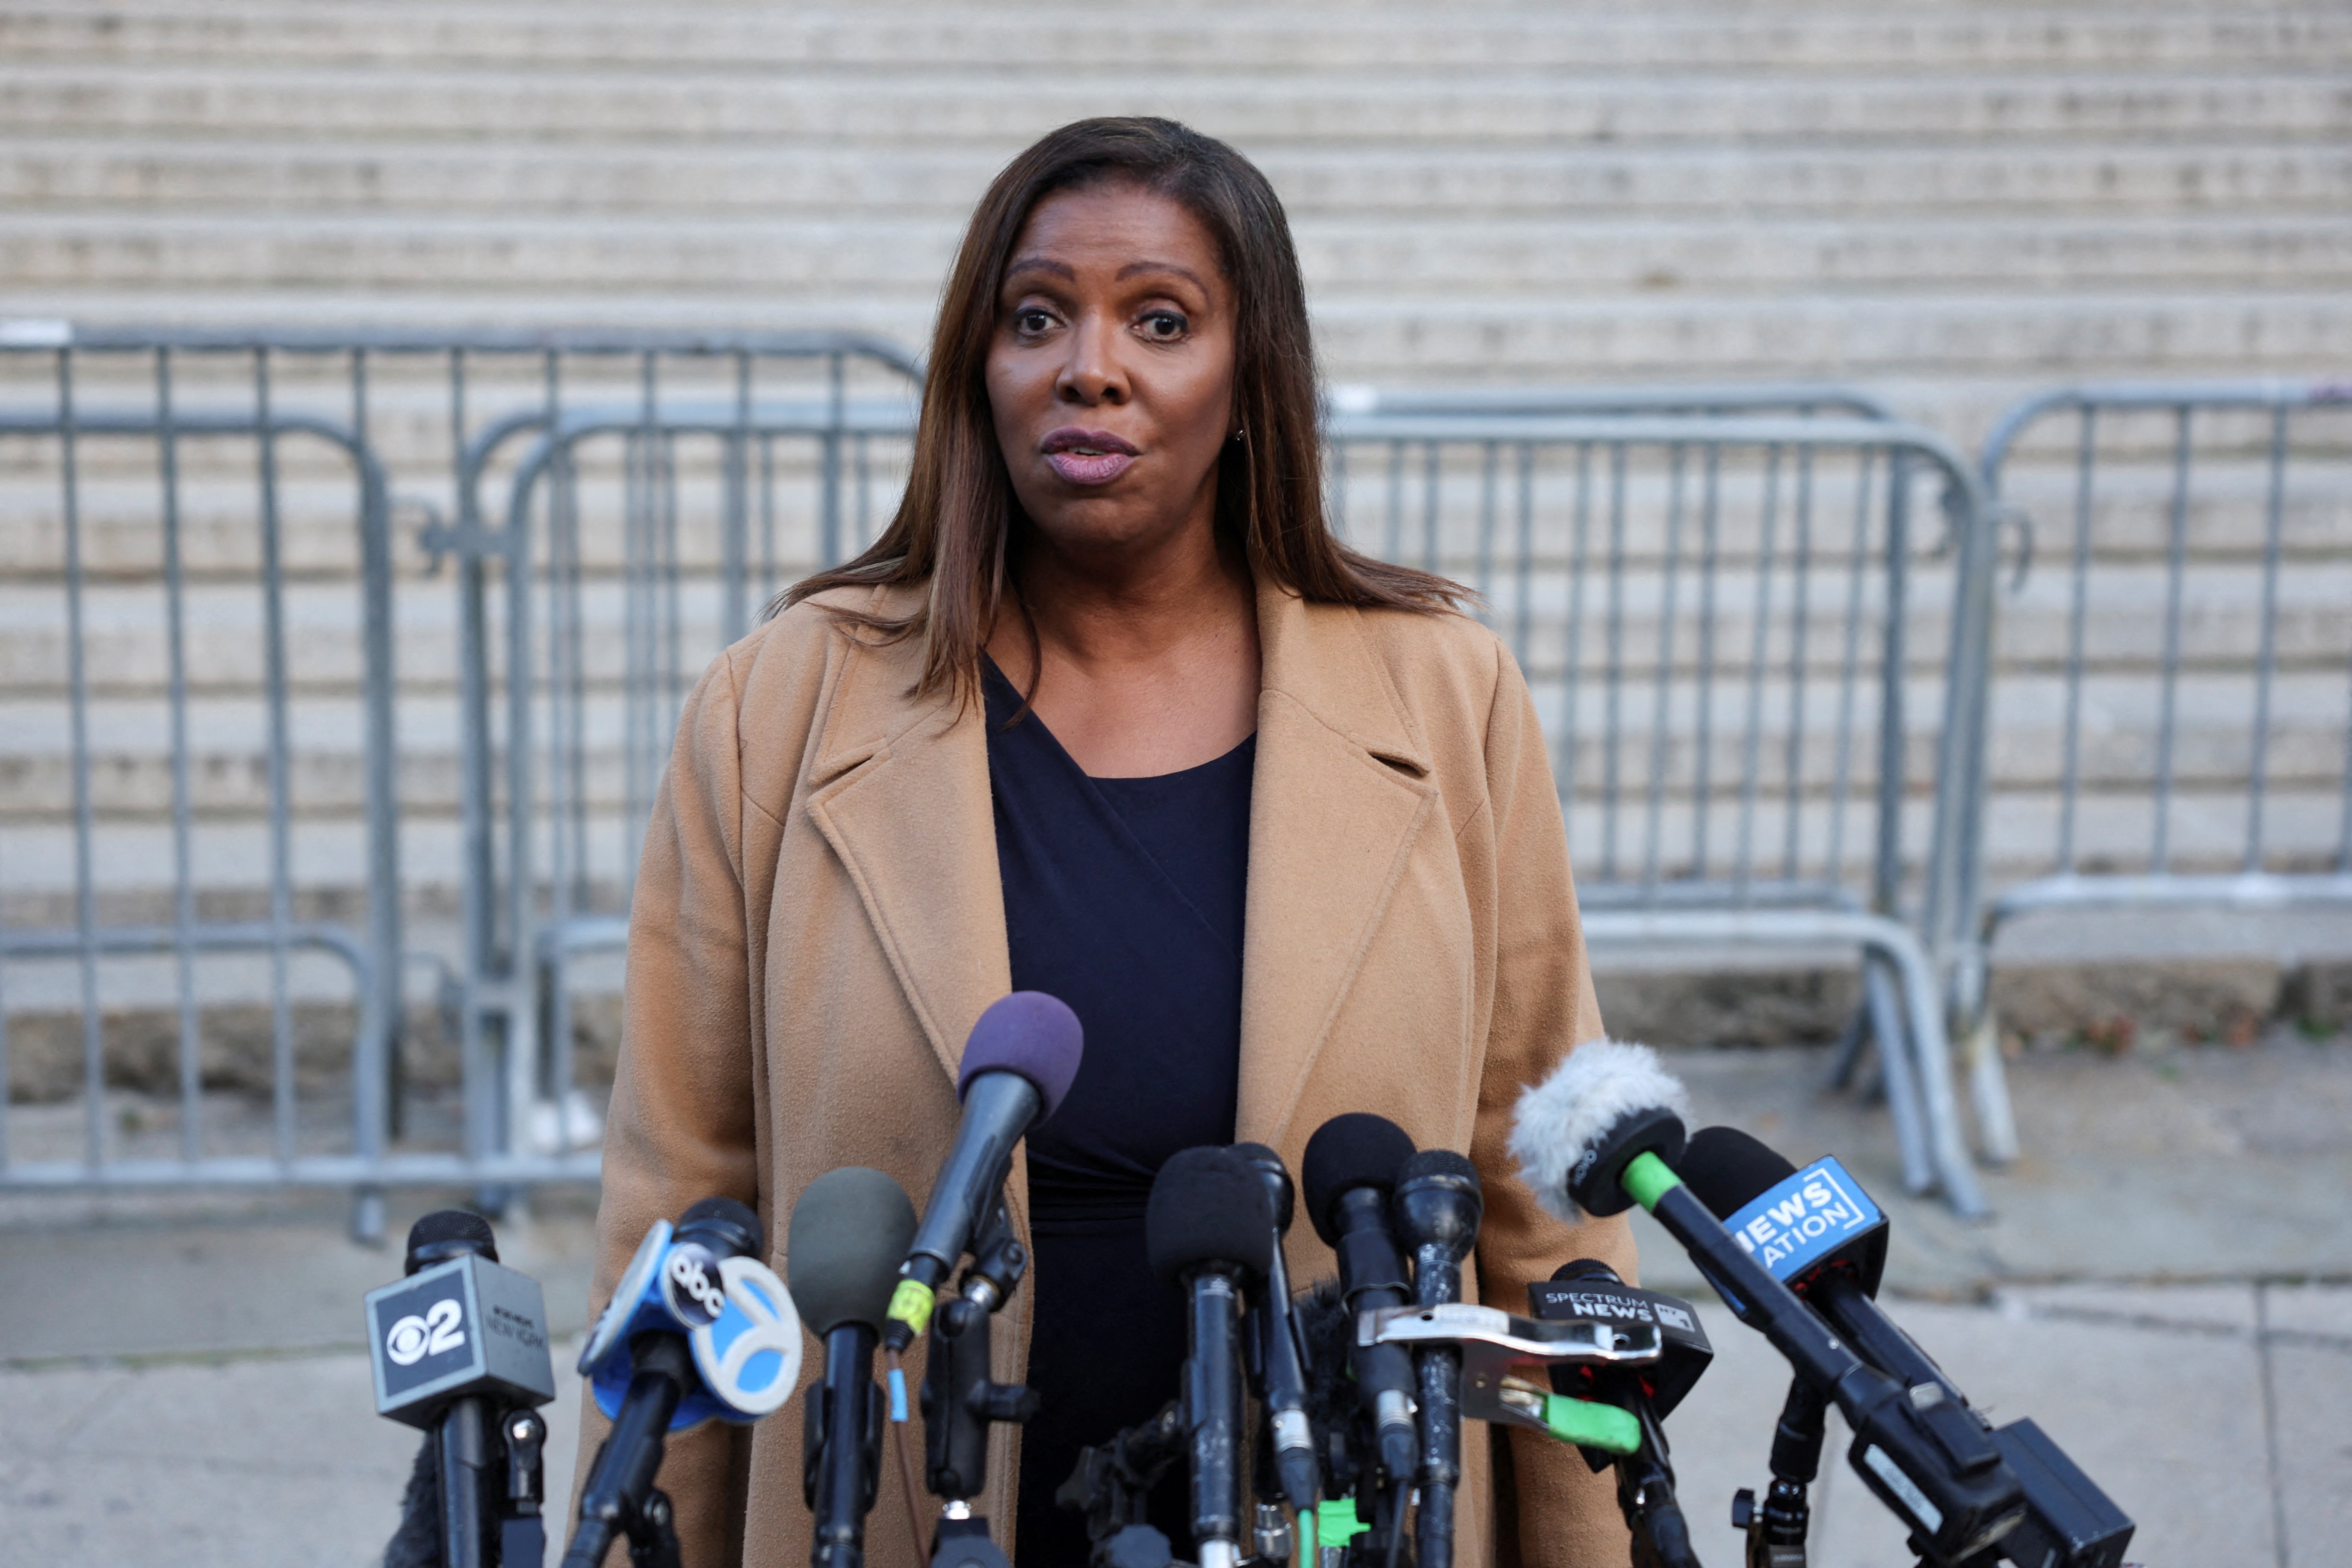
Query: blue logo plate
{"x": 1805, "y": 1219}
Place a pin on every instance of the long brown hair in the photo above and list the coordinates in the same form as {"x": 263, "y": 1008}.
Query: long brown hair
{"x": 954, "y": 531}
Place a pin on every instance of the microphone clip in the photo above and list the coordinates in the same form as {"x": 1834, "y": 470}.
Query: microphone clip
{"x": 959, "y": 1399}
{"x": 1505, "y": 1358}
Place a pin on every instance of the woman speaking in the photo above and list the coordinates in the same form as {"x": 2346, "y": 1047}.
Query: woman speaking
{"x": 1108, "y": 713}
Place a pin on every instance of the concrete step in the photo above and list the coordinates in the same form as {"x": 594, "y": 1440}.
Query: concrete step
{"x": 432, "y": 179}
{"x": 817, "y": 107}
{"x": 1407, "y": 338}
{"x": 1313, "y": 40}
{"x": 1510, "y": 259}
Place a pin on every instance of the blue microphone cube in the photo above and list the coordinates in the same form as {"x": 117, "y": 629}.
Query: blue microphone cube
{"x": 1816, "y": 1214}
{"x": 465, "y": 1327}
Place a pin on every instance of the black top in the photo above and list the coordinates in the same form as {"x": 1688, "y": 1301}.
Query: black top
{"x": 1123, "y": 898}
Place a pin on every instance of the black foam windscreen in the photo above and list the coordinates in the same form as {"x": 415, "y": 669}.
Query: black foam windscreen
{"x": 1585, "y": 1269}
{"x": 1207, "y": 1205}
{"x": 847, "y": 1236}
{"x": 1267, "y": 1160}
{"x": 1357, "y": 1150}
{"x": 725, "y": 1227}
{"x": 445, "y": 1233}
{"x": 1727, "y": 1170}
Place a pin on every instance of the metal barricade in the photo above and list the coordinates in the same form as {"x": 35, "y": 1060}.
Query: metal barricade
{"x": 1793, "y": 399}
{"x": 1727, "y": 624}
{"x": 1726, "y": 656}
{"x": 201, "y": 683}
{"x": 637, "y": 535}
{"x": 191, "y": 558}
{"x": 2172, "y": 691}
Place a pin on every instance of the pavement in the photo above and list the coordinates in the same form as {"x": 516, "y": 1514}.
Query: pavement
{"x": 2165, "y": 1288}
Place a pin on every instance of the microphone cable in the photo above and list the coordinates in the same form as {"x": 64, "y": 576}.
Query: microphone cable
{"x": 899, "y": 1424}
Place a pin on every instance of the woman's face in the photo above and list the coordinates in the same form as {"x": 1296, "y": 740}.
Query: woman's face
{"x": 1110, "y": 376}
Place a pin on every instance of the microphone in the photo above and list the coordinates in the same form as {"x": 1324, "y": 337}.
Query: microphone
{"x": 1819, "y": 1232}
{"x": 1437, "y": 1206}
{"x": 1017, "y": 1064}
{"x": 1281, "y": 1365}
{"x": 1604, "y": 1131}
{"x": 458, "y": 1347}
{"x": 848, "y": 1232}
{"x": 1351, "y": 1171}
{"x": 1207, "y": 1229}
{"x": 1589, "y": 1289}
{"x": 698, "y": 1329}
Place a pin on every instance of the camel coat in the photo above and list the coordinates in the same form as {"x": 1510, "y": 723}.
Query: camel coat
{"x": 818, "y": 921}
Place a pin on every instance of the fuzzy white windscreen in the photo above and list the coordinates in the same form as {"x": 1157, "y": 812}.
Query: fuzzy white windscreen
{"x": 1560, "y": 1118}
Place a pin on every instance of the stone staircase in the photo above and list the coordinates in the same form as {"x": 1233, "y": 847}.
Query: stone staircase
{"x": 1947, "y": 200}
{"x": 1949, "y": 204}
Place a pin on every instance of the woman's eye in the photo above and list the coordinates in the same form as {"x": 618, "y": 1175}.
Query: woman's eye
{"x": 1031, "y": 321}
{"x": 1165, "y": 325}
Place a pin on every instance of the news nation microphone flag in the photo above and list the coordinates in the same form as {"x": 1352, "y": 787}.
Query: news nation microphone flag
{"x": 1815, "y": 1214}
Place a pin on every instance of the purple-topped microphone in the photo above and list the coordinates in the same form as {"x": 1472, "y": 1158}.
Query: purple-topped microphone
{"x": 1018, "y": 1064}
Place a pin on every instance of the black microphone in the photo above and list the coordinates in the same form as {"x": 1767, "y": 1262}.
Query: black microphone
{"x": 1018, "y": 1063}
{"x": 460, "y": 1348}
{"x": 644, "y": 1333}
{"x": 1208, "y": 1229}
{"x": 1588, "y": 1287}
{"x": 1281, "y": 1363}
{"x": 1819, "y": 1233}
{"x": 1437, "y": 1206}
{"x": 1350, "y": 1170}
{"x": 1604, "y": 1131}
{"x": 849, "y": 1232}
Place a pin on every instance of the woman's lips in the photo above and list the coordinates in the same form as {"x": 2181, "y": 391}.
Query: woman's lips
{"x": 1089, "y": 467}
{"x": 1084, "y": 457}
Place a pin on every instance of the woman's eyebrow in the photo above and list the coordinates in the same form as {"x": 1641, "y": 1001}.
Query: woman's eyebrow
{"x": 1134, "y": 268}
{"x": 1041, "y": 264}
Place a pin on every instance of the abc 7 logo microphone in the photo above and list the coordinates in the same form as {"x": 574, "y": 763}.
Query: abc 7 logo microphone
{"x": 740, "y": 1323}
{"x": 738, "y": 1319}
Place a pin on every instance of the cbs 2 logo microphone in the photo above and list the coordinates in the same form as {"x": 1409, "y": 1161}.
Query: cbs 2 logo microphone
{"x": 467, "y": 1326}
{"x": 736, "y": 1317}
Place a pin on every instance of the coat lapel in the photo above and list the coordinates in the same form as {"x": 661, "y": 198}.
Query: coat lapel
{"x": 902, "y": 795}
{"x": 1341, "y": 793}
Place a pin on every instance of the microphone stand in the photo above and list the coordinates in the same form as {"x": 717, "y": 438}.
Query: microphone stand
{"x": 1645, "y": 1496}
{"x": 522, "y": 1526}
{"x": 464, "y": 1481}
{"x": 620, "y": 1491}
{"x": 1112, "y": 1486}
{"x": 1776, "y": 1532}
{"x": 960, "y": 1402}
{"x": 463, "y": 1447}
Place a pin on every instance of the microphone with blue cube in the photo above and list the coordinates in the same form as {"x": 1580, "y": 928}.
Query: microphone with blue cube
{"x": 1818, "y": 1232}
{"x": 698, "y": 1330}
{"x": 1606, "y": 1132}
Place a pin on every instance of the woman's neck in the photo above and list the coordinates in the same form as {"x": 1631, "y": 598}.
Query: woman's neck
{"x": 1140, "y": 667}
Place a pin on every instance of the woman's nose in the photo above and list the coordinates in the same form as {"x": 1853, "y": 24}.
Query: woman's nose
{"x": 1092, "y": 372}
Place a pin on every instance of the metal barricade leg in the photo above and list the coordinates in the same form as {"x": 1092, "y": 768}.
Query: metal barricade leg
{"x": 1932, "y": 1061}
{"x": 1917, "y": 1048}
{"x": 1881, "y": 1005}
{"x": 1989, "y": 1092}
